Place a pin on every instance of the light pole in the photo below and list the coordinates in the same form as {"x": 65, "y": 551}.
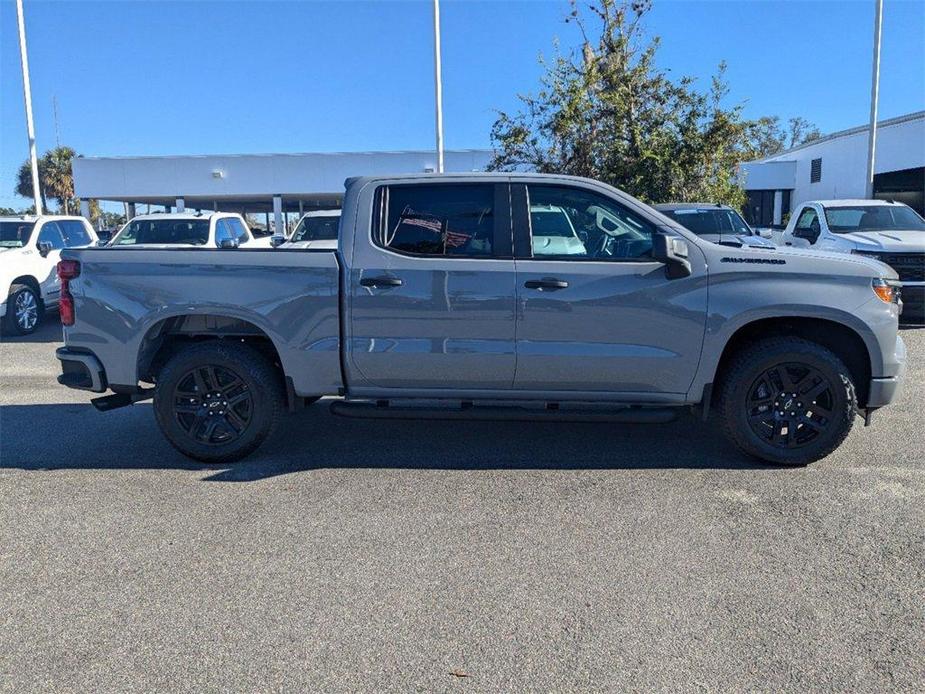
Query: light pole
{"x": 27, "y": 93}
{"x": 874, "y": 97}
{"x": 438, "y": 86}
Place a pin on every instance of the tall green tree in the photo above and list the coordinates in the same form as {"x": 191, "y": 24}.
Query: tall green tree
{"x": 607, "y": 111}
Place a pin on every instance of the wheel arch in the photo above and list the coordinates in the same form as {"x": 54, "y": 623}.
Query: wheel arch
{"x": 169, "y": 334}
{"x": 30, "y": 281}
{"x": 842, "y": 339}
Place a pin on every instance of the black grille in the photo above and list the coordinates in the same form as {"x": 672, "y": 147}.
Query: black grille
{"x": 909, "y": 266}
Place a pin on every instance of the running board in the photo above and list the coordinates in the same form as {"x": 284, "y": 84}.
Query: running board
{"x": 117, "y": 400}
{"x": 494, "y": 413}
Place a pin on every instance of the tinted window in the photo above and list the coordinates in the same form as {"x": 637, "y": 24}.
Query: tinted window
{"x": 237, "y": 229}
{"x": 808, "y": 219}
{"x": 441, "y": 219}
{"x": 15, "y": 234}
{"x": 710, "y": 221}
{"x": 585, "y": 224}
{"x": 75, "y": 233}
{"x": 194, "y": 232}
{"x": 844, "y": 220}
{"x": 316, "y": 229}
{"x": 51, "y": 233}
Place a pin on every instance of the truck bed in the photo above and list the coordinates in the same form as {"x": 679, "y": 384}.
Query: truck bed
{"x": 123, "y": 296}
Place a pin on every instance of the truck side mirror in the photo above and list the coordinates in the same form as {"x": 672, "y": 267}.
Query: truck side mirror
{"x": 228, "y": 243}
{"x": 277, "y": 240}
{"x": 672, "y": 251}
{"x": 44, "y": 248}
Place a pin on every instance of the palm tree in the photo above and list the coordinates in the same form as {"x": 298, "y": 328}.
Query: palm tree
{"x": 24, "y": 181}
{"x": 55, "y": 177}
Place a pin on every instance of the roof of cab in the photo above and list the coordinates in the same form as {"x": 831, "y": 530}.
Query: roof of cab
{"x": 668, "y": 206}
{"x": 184, "y": 215}
{"x": 852, "y": 203}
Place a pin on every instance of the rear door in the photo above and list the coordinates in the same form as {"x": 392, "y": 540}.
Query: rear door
{"x": 431, "y": 289}
{"x": 601, "y": 316}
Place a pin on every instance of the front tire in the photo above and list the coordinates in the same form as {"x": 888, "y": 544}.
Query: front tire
{"x": 24, "y": 310}
{"x": 216, "y": 402}
{"x": 787, "y": 401}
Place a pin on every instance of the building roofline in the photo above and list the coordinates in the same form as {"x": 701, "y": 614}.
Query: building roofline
{"x": 288, "y": 154}
{"x": 898, "y": 120}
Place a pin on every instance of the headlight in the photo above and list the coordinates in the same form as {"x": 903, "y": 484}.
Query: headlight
{"x": 886, "y": 290}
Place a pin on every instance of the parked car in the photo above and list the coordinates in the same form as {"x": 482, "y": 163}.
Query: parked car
{"x": 714, "y": 222}
{"x": 890, "y": 232}
{"x": 316, "y": 230}
{"x": 209, "y": 229}
{"x": 437, "y": 304}
{"x": 29, "y": 251}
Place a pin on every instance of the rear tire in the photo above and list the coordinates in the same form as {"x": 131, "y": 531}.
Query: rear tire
{"x": 787, "y": 401}
{"x": 217, "y": 401}
{"x": 24, "y": 310}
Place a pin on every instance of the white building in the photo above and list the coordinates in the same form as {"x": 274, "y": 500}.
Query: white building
{"x": 835, "y": 166}
{"x": 249, "y": 183}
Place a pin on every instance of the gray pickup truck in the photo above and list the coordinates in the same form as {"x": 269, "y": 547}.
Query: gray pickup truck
{"x": 488, "y": 296}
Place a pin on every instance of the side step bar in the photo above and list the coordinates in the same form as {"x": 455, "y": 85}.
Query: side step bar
{"x": 494, "y": 413}
{"x": 117, "y": 400}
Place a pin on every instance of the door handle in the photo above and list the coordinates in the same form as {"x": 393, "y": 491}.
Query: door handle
{"x": 546, "y": 284}
{"x": 380, "y": 282}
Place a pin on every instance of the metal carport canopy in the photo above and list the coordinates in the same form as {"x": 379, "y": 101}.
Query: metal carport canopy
{"x": 238, "y": 181}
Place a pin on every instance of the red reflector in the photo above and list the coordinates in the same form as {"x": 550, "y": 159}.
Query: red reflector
{"x": 68, "y": 269}
{"x": 66, "y": 308}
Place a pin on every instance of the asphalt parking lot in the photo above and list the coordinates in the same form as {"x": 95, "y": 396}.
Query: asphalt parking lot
{"x": 356, "y": 555}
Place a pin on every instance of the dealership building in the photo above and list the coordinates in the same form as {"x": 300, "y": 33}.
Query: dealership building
{"x": 835, "y": 166}
{"x": 277, "y": 185}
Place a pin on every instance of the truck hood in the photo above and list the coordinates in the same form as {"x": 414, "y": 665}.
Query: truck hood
{"x": 828, "y": 262}
{"x": 901, "y": 241}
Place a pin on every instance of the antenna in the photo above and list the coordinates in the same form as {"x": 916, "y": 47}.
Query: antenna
{"x": 54, "y": 103}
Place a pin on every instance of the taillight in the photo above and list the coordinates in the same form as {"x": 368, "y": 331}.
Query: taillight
{"x": 67, "y": 270}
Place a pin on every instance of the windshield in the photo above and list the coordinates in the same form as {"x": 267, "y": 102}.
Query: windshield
{"x": 316, "y": 229}
{"x": 844, "y": 220}
{"x": 193, "y": 232}
{"x": 710, "y": 221}
{"x": 15, "y": 234}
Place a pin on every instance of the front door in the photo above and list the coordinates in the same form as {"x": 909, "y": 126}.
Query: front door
{"x": 431, "y": 290}
{"x": 53, "y": 235}
{"x": 596, "y": 312}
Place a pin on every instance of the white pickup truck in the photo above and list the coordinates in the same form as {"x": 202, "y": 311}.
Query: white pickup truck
{"x": 317, "y": 230}
{"x": 30, "y": 248}
{"x": 887, "y": 231}
{"x": 184, "y": 229}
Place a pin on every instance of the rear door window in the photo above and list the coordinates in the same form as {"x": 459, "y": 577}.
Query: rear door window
{"x": 237, "y": 229}
{"x": 75, "y": 233}
{"x": 444, "y": 219}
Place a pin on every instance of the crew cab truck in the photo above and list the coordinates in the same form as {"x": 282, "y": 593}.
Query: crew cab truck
{"x": 888, "y": 231}
{"x": 183, "y": 229}
{"x": 437, "y": 303}
{"x": 29, "y": 252}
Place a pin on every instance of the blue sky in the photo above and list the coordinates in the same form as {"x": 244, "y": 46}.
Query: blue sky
{"x": 136, "y": 78}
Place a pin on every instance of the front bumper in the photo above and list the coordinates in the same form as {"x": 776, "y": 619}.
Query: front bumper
{"x": 883, "y": 391}
{"x": 81, "y": 370}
